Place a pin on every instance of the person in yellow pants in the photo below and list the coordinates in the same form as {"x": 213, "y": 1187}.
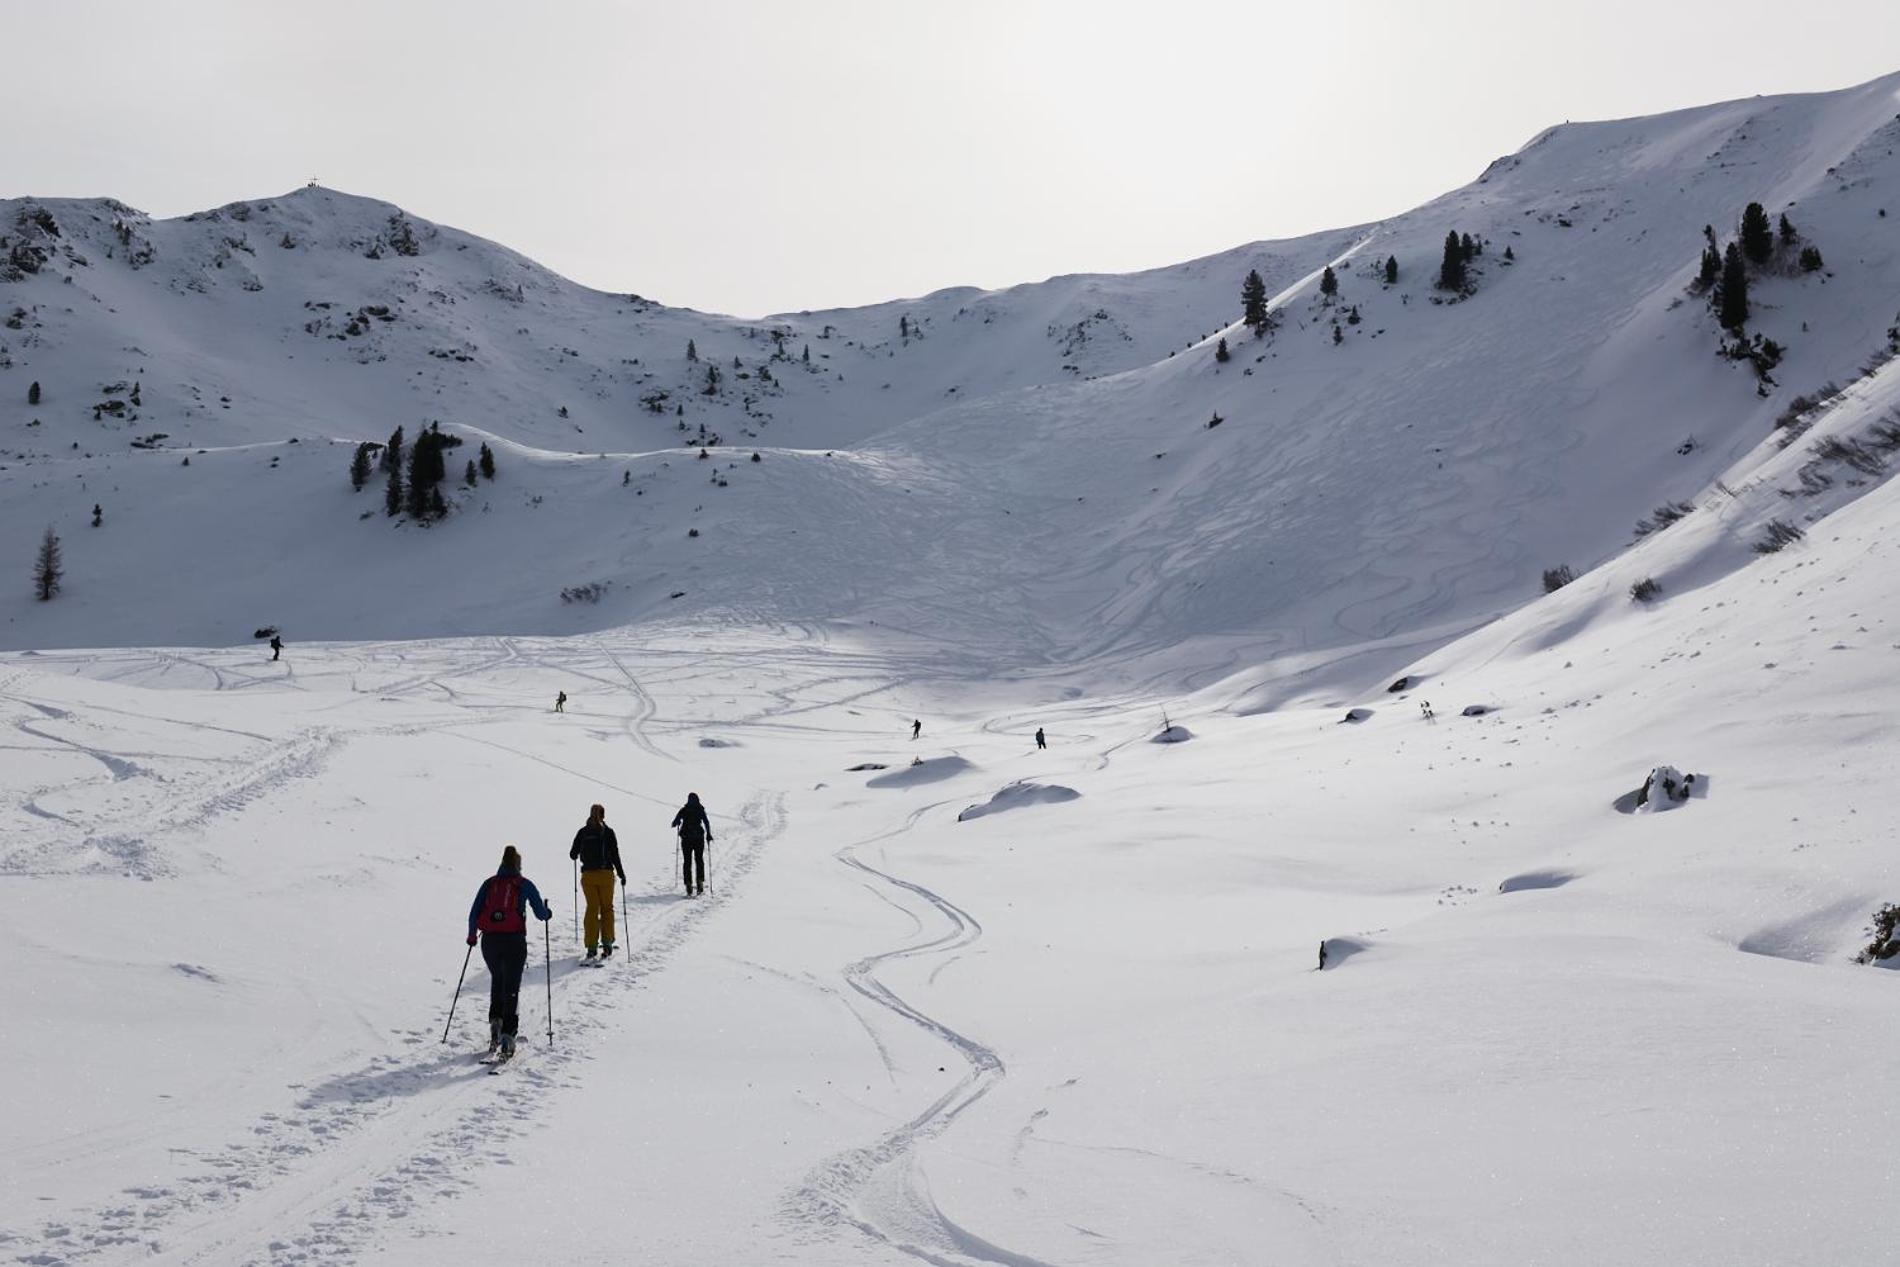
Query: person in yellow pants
{"x": 599, "y": 854}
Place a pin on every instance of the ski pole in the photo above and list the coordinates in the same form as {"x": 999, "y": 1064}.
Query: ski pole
{"x": 626, "y": 927}
{"x": 547, "y": 967}
{"x": 458, "y": 992}
{"x": 577, "y": 901}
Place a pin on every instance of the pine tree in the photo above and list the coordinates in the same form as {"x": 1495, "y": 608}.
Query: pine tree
{"x": 1451, "y": 272}
{"x": 33, "y": 393}
{"x": 437, "y": 507}
{"x": 1253, "y": 302}
{"x": 692, "y": 350}
{"x": 392, "y": 492}
{"x": 1391, "y": 270}
{"x": 1758, "y": 240}
{"x": 1339, "y": 336}
{"x": 1711, "y": 268}
{"x": 1732, "y": 294}
{"x": 392, "y": 452}
{"x": 712, "y": 381}
{"x": 419, "y": 483}
{"x": 1328, "y": 283}
{"x": 903, "y": 326}
{"x": 807, "y": 357}
{"x": 46, "y": 567}
{"x": 98, "y": 514}
{"x": 1788, "y": 236}
{"x": 1509, "y": 254}
{"x": 135, "y": 394}
{"x": 487, "y": 462}
{"x": 1466, "y": 246}
{"x": 1810, "y": 259}
{"x": 468, "y": 475}
{"x": 1221, "y": 353}
{"x": 359, "y": 467}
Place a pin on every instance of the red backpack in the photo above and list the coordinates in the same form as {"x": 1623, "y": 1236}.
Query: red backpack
{"x": 501, "y": 913}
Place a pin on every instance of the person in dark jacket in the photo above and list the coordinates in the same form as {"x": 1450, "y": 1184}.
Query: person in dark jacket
{"x": 276, "y": 646}
{"x": 499, "y": 915}
{"x": 1041, "y": 742}
{"x": 695, "y": 834}
{"x": 599, "y": 854}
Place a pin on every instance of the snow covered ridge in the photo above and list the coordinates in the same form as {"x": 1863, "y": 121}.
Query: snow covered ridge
{"x": 1030, "y": 473}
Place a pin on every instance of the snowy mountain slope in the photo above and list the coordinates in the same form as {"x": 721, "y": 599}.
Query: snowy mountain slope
{"x": 1082, "y": 1028}
{"x": 1386, "y": 490}
{"x": 327, "y": 313}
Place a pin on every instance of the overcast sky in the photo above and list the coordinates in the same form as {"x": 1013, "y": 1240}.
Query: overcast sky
{"x": 750, "y": 157}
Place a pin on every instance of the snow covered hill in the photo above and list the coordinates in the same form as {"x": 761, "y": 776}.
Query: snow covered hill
{"x": 1409, "y": 477}
{"x": 1329, "y": 928}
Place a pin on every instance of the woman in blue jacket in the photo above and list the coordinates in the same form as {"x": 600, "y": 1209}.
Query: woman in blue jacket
{"x": 499, "y": 915}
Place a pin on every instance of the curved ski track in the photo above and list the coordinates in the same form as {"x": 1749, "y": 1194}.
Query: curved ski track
{"x": 877, "y": 1188}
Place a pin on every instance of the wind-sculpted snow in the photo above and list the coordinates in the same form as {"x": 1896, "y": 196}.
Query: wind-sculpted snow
{"x": 1018, "y": 795}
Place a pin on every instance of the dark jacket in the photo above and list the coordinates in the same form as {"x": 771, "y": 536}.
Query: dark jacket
{"x": 598, "y": 849}
{"x": 692, "y": 824}
{"x": 530, "y": 896}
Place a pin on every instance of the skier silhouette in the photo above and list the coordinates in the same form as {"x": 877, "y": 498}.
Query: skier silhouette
{"x": 560, "y": 701}
{"x": 276, "y": 647}
{"x": 916, "y": 729}
{"x": 1041, "y": 742}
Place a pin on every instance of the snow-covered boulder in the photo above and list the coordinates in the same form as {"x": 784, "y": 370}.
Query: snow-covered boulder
{"x": 1019, "y": 794}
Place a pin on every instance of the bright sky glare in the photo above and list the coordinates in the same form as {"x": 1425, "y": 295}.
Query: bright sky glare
{"x": 752, "y": 156}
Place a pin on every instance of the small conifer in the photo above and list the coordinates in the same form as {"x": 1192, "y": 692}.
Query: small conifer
{"x": 1253, "y": 302}
{"x": 47, "y": 569}
{"x": 1758, "y": 241}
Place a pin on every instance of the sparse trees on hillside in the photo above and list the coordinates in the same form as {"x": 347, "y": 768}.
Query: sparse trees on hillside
{"x": 1451, "y": 272}
{"x": 47, "y": 569}
{"x": 1328, "y": 283}
{"x": 712, "y": 381}
{"x": 1253, "y": 302}
{"x": 1391, "y": 270}
{"x": 1810, "y": 259}
{"x": 392, "y": 452}
{"x": 1758, "y": 240}
{"x": 487, "y": 462}
{"x": 1731, "y": 297}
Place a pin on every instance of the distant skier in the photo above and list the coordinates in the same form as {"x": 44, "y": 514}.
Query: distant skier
{"x": 916, "y": 729}
{"x": 599, "y": 853}
{"x": 695, "y": 833}
{"x": 276, "y": 648}
{"x": 560, "y": 701}
{"x": 98, "y": 515}
{"x": 499, "y": 914}
{"x": 1041, "y": 742}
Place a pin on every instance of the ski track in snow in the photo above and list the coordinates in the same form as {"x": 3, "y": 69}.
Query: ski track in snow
{"x": 878, "y": 1188}
{"x": 369, "y": 1147}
